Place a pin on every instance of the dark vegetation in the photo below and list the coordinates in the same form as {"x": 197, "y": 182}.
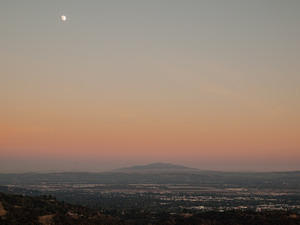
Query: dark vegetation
{"x": 25, "y": 210}
{"x": 21, "y": 210}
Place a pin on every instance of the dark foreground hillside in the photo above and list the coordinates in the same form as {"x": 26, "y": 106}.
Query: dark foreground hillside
{"x": 23, "y": 210}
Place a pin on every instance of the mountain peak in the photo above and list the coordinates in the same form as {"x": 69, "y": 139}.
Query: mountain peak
{"x": 160, "y": 165}
{"x": 157, "y": 167}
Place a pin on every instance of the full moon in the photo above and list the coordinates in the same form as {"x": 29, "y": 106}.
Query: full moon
{"x": 63, "y": 18}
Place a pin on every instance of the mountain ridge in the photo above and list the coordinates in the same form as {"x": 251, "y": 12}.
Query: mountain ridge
{"x": 157, "y": 167}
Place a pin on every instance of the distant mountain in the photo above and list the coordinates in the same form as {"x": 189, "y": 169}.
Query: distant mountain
{"x": 160, "y": 173}
{"x": 157, "y": 168}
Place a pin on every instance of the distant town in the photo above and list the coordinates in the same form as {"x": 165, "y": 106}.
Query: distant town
{"x": 164, "y": 187}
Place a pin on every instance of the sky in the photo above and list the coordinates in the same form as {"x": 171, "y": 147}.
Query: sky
{"x": 210, "y": 84}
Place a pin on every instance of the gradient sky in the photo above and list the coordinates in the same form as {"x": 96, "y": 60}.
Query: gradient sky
{"x": 211, "y": 84}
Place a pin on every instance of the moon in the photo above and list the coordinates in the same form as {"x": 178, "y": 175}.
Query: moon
{"x": 63, "y": 18}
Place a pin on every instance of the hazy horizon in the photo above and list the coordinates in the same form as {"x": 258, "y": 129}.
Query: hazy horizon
{"x": 92, "y": 165}
{"x": 97, "y": 85}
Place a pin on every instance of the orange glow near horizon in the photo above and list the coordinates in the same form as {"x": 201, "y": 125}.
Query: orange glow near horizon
{"x": 142, "y": 134}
